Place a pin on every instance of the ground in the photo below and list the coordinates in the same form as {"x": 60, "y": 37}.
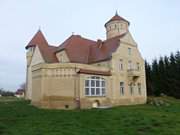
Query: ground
{"x": 18, "y": 117}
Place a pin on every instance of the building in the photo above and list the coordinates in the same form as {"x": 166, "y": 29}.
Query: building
{"x": 19, "y": 93}
{"x": 82, "y": 73}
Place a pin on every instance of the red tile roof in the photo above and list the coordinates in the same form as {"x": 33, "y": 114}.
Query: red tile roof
{"x": 103, "y": 50}
{"x": 81, "y": 50}
{"x": 48, "y": 52}
{"x": 77, "y": 48}
{"x": 116, "y": 18}
{"x": 20, "y": 92}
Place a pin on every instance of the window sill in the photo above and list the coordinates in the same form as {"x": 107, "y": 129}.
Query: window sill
{"x": 95, "y": 96}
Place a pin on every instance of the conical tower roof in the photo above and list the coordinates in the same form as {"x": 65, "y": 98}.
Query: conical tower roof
{"x": 116, "y": 17}
{"x": 38, "y": 39}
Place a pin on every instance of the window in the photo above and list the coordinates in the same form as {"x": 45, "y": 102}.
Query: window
{"x": 129, "y": 51}
{"x": 138, "y": 66}
{"x": 121, "y": 26}
{"x": 120, "y": 64}
{"x": 129, "y": 64}
{"x": 122, "y": 88}
{"x": 139, "y": 88}
{"x": 131, "y": 89}
{"x": 95, "y": 86}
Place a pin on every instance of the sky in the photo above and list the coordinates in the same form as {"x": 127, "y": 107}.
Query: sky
{"x": 154, "y": 24}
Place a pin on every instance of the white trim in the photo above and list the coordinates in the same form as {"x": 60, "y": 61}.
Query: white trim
{"x": 95, "y": 80}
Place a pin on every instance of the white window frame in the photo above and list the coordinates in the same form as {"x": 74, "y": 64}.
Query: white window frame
{"x": 130, "y": 66}
{"x": 101, "y": 87}
{"x": 131, "y": 89}
{"x": 122, "y": 88}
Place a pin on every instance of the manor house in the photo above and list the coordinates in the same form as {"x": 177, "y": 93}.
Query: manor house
{"x": 85, "y": 73}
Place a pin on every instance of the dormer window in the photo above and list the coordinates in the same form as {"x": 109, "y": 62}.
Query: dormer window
{"x": 61, "y": 59}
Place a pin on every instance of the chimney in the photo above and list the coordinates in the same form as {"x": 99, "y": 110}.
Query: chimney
{"x": 100, "y": 43}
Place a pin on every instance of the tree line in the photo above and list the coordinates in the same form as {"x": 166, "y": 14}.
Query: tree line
{"x": 163, "y": 76}
{"x": 6, "y": 93}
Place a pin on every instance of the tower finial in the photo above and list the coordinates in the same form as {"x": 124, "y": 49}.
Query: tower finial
{"x": 116, "y": 12}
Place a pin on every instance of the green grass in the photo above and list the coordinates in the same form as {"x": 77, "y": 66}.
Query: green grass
{"x": 20, "y": 118}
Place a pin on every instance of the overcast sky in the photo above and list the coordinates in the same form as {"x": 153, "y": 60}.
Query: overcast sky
{"x": 154, "y": 24}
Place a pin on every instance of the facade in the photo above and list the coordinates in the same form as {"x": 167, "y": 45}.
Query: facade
{"x": 82, "y": 73}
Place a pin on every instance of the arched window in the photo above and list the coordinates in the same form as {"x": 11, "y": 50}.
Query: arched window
{"x": 95, "y": 86}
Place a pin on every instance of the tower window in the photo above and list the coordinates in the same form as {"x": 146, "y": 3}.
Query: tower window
{"x": 121, "y": 26}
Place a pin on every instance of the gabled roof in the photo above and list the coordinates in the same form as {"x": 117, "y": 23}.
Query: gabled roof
{"x": 81, "y": 50}
{"x": 47, "y": 52}
{"x": 77, "y": 48}
{"x": 116, "y": 18}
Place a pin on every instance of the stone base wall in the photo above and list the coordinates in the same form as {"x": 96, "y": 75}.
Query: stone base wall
{"x": 85, "y": 103}
{"x": 129, "y": 101}
{"x": 56, "y": 102}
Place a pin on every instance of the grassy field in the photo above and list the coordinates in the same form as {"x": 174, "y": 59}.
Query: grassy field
{"x": 18, "y": 117}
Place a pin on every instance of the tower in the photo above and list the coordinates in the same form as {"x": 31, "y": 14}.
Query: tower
{"x": 37, "y": 40}
{"x": 116, "y": 26}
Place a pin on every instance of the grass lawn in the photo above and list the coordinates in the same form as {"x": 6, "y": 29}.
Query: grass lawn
{"x": 18, "y": 117}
